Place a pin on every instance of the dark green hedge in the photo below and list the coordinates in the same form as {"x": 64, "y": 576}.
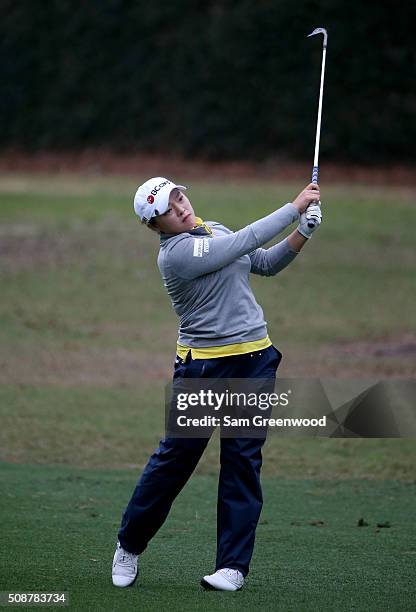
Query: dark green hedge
{"x": 210, "y": 79}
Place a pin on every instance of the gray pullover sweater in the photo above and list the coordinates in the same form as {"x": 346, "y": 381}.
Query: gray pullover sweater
{"x": 207, "y": 278}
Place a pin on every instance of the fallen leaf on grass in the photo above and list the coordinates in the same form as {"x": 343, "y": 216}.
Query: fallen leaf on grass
{"x": 384, "y": 525}
{"x": 315, "y": 523}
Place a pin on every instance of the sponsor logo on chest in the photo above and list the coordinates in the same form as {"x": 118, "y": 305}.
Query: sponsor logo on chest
{"x": 201, "y": 247}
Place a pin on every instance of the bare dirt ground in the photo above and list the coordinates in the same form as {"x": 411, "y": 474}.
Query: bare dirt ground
{"x": 382, "y": 358}
{"x": 391, "y": 358}
{"x": 102, "y": 161}
{"x": 116, "y": 367}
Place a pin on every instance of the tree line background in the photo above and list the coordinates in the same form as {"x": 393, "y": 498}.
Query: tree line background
{"x": 215, "y": 80}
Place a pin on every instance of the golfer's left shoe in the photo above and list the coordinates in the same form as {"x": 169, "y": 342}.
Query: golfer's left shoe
{"x": 225, "y": 579}
{"x": 125, "y": 568}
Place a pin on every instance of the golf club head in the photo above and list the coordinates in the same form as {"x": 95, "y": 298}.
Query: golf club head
{"x": 320, "y": 31}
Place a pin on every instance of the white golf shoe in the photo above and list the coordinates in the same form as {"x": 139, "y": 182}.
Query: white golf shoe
{"x": 225, "y": 579}
{"x": 125, "y": 568}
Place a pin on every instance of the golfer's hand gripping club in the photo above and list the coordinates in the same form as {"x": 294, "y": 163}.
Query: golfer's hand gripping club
{"x": 307, "y": 196}
{"x": 310, "y": 220}
{"x": 309, "y": 207}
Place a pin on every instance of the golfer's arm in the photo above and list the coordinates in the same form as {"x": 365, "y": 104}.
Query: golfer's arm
{"x": 268, "y": 262}
{"x": 195, "y": 256}
{"x": 296, "y": 241}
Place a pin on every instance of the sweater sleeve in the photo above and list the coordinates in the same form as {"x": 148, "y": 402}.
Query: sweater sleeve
{"x": 268, "y": 262}
{"x": 191, "y": 256}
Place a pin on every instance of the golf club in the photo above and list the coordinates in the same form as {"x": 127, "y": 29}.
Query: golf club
{"x": 315, "y": 170}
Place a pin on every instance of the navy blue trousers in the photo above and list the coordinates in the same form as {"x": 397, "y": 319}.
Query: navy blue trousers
{"x": 168, "y": 469}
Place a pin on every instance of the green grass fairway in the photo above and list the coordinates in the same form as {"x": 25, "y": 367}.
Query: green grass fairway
{"x": 60, "y": 537}
{"x": 87, "y": 343}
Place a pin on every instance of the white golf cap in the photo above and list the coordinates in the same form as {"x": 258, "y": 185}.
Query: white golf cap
{"x": 152, "y": 198}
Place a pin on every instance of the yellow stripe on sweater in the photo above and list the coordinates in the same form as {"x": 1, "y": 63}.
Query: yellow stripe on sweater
{"x": 211, "y": 352}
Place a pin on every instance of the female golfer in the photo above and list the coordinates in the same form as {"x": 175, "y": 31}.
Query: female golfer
{"x": 222, "y": 334}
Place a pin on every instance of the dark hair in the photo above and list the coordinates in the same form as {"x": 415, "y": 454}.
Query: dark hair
{"x": 151, "y": 224}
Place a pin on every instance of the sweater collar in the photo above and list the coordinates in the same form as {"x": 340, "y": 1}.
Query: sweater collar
{"x": 199, "y": 229}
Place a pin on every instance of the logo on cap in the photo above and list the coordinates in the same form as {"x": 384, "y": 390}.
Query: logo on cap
{"x": 159, "y": 187}
{"x": 150, "y": 199}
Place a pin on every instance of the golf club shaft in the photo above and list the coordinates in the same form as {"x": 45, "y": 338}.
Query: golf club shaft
{"x": 315, "y": 170}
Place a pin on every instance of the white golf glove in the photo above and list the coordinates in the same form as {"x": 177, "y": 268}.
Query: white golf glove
{"x": 312, "y": 214}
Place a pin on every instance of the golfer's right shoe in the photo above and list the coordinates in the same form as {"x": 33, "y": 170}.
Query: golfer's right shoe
{"x": 125, "y": 568}
{"x": 225, "y": 579}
